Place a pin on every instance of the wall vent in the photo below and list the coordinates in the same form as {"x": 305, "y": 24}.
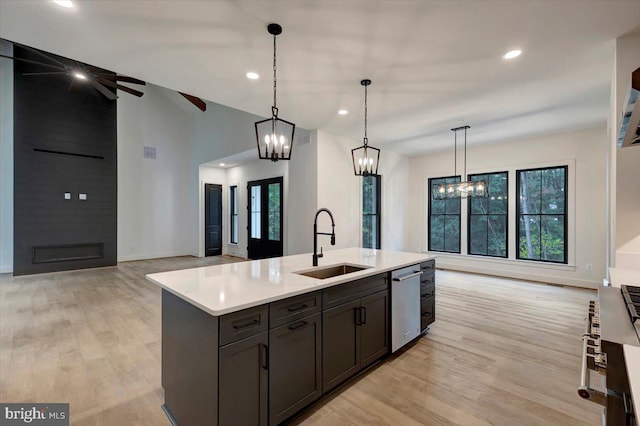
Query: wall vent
{"x": 149, "y": 152}
{"x": 65, "y": 253}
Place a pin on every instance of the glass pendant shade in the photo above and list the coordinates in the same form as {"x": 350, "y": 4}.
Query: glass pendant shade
{"x": 274, "y": 136}
{"x": 466, "y": 188}
{"x": 365, "y": 158}
{"x": 459, "y": 190}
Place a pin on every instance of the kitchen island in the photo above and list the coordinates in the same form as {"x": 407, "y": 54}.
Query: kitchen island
{"x": 256, "y": 342}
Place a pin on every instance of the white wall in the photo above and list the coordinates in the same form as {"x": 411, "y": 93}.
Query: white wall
{"x": 6, "y": 158}
{"x": 217, "y": 176}
{"x": 585, "y": 154}
{"x": 240, "y": 175}
{"x": 153, "y": 196}
{"x": 338, "y": 190}
{"x": 626, "y": 205}
{"x": 394, "y": 169}
{"x": 303, "y": 195}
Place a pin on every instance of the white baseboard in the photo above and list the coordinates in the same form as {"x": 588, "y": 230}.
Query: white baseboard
{"x": 132, "y": 257}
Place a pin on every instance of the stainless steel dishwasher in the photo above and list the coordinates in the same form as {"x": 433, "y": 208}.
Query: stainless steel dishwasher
{"x": 405, "y": 306}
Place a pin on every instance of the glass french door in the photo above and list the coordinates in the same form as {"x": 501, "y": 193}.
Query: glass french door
{"x": 265, "y": 218}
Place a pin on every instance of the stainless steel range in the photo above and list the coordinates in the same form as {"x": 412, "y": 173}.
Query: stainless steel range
{"x": 612, "y": 322}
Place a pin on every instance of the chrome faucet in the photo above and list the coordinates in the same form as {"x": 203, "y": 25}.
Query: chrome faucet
{"x": 316, "y": 233}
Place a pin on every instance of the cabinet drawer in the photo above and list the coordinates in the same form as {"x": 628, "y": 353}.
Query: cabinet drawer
{"x": 429, "y": 264}
{"x": 427, "y": 312}
{"x": 344, "y": 293}
{"x": 427, "y": 290}
{"x": 428, "y": 276}
{"x": 293, "y": 308}
{"x": 241, "y": 324}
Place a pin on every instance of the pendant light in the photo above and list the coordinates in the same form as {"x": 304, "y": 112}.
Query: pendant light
{"x": 274, "y": 136}
{"x": 365, "y": 158}
{"x": 466, "y": 188}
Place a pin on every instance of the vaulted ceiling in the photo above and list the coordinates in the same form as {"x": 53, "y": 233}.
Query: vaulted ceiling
{"x": 434, "y": 64}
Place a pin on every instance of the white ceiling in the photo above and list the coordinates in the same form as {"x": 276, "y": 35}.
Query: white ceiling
{"x": 433, "y": 63}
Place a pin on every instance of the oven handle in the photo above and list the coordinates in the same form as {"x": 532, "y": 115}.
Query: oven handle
{"x": 584, "y": 390}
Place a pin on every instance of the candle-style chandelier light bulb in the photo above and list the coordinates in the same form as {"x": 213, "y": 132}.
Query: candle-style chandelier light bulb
{"x": 276, "y": 131}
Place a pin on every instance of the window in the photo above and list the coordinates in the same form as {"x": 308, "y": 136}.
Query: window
{"x": 371, "y": 211}
{"x": 233, "y": 214}
{"x": 542, "y": 214}
{"x": 444, "y": 219}
{"x": 488, "y": 217}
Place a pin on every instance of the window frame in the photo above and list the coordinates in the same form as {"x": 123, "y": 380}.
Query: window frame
{"x": 233, "y": 214}
{"x": 377, "y": 214}
{"x": 565, "y": 213}
{"x": 506, "y": 216}
{"x": 429, "y": 208}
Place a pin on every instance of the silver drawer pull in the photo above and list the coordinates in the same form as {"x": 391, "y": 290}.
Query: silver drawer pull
{"x": 406, "y": 277}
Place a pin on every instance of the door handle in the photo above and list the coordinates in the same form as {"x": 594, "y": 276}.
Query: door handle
{"x": 406, "y": 277}
{"x": 363, "y": 315}
{"x": 298, "y": 308}
{"x": 247, "y": 324}
{"x": 264, "y": 357}
{"x": 297, "y": 325}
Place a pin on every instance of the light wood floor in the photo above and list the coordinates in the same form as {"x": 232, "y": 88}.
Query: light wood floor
{"x": 501, "y": 352}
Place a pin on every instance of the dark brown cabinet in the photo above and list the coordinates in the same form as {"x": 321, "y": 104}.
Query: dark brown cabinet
{"x": 294, "y": 367}
{"x": 355, "y": 333}
{"x": 427, "y": 294}
{"x": 243, "y": 382}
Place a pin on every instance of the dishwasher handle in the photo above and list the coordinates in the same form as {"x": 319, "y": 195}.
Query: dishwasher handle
{"x": 406, "y": 277}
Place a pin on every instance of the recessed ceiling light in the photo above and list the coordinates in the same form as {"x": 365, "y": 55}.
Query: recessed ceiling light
{"x": 512, "y": 54}
{"x": 222, "y": 164}
{"x": 64, "y": 3}
{"x": 79, "y": 76}
{"x": 343, "y": 112}
{"x": 253, "y": 75}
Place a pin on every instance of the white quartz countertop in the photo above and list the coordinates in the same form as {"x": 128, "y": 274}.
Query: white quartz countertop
{"x": 222, "y": 289}
{"x": 632, "y": 359}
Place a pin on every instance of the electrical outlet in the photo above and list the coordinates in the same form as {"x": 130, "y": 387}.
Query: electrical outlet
{"x": 589, "y": 266}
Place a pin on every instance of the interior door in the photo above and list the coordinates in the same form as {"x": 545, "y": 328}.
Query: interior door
{"x": 213, "y": 219}
{"x": 265, "y": 201}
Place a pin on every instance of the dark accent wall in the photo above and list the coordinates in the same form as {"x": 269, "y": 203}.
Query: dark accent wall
{"x": 64, "y": 142}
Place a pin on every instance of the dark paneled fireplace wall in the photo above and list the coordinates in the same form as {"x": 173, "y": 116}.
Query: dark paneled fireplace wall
{"x": 64, "y": 143}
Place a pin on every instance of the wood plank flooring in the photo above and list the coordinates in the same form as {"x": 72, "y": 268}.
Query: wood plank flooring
{"x": 501, "y": 352}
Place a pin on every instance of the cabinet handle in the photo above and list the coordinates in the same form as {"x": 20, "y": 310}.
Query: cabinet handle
{"x": 357, "y": 315}
{"x": 246, "y": 324}
{"x": 298, "y": 308}
{"x": 427, "y": 314}
{"x": 297, "y": 325}
{"x": 265, "y": 357}
{"x": 363, "y": 315}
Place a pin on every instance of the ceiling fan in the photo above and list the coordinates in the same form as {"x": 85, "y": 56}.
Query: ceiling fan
{"x": 100, "y": 80}
{"x": 81, "y": 73}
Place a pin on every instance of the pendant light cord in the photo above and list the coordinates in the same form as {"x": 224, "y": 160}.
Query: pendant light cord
{"x": 465, "y": 155}
{"x": 275, "y": 81}
{"x": 455, "y": 153}
{"x": 366, "y": 140}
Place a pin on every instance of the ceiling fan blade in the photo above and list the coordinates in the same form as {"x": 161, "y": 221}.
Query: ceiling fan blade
{"x": 43, "y": 55}
{"x": 122, "y": 78}
{"x": 55, "y": 67}
{"x": 75, "y": 85}
{"x": 120, "y": 86}
{"x": 46, "y": 73}
{"x": 100, "y": 88}
{"x": 199, "y": 103}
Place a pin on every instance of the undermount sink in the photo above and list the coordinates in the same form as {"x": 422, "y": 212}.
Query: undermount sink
{"x": 332, "y": 271}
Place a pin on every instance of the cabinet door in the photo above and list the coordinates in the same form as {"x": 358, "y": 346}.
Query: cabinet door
{"x": 340, "y": 344}
{"x": 243, "y": 382}
{"x": 374, "y": 331}
{"x": 294, "y": 367}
